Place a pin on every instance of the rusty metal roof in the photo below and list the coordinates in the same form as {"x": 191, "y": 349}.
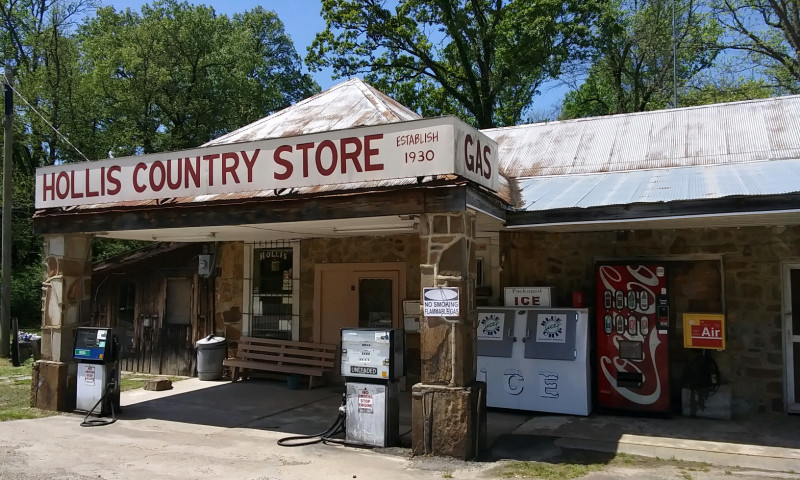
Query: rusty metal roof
{"x": 347, "y": 105}
{"x": 726, "y": 133}
{"x": 660, "y": 185}
{"x": 747, "y": 148}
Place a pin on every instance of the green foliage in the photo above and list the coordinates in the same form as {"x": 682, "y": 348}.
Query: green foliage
{"x": 179, "y": 75}
{"x": 769, "y": 33}
{"x": 633, "y": 66}
{"x": 105, "y": 248}
{"x": 481, "y": 58}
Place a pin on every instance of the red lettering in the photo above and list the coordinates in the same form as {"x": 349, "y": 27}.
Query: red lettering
{"x": 343, "y": 143}
{"x": 177, "y": 183}
{"x": 72, "y": 182}
{"x": 89, "y": 192}
{"x": 102, "y": 180}
{"x": 487, "y": 153}
{"x": 62, "y": 194}
{"x": 478, "y": 159}
{"x": 157, "y": 184}
{"x": 318, "y": 158}
{"x": 305, "y": 147}
{"x": 117, "y": 186}
{"x": 191, "y": 171}
{"x": 229, "y": 169}
{"x": 48, "y": 188}
{"x": 369, "y": 152}
{"x": 210, "y": 159}
{"x": 469, "y": 160}
{"x": 286, "y": 164}
{"x": 136, "y": 185}
{"x": 250, "y": 163}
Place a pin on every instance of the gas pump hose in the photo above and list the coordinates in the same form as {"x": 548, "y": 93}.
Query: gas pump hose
{"x": 325, "y": 437}
{"x": 96, "y": 422}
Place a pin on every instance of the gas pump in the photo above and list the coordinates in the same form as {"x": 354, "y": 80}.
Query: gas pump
{"x": 97, "y": 351}
{"x": 372, "y": 363}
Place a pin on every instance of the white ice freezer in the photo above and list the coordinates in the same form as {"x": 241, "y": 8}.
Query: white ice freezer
{"x": 535, "y": 359}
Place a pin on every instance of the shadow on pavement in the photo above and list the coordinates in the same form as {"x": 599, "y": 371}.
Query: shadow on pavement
{"x": 271, "y": 405}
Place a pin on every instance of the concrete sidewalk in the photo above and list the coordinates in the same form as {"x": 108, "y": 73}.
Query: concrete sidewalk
{"x": 224, "y": 430}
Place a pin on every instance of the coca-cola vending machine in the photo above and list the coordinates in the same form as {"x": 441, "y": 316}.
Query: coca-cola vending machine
{"x": 632, "y": 346}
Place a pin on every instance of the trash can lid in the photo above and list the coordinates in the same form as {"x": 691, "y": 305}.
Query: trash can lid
{"x": 210, "y": 340}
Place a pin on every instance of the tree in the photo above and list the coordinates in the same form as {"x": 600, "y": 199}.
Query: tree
{"x": 769, "y": 31}
{"x": 177, "y": 75}
{"x": 632, "y": 69}
{"x": 481, "y": 58}
{"x": 37, "y": 44}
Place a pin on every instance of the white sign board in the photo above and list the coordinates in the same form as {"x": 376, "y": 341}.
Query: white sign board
{"x": 437, "y": 146}
{"x": 551, "y": 328}
{"x": 441, "y": 302}
{"x": 491, "y": 325}
{"x": 527, "y": 297}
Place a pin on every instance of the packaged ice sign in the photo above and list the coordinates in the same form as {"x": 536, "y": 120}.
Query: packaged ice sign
{"x": 527, "y": 297}
{"x": 441, "y": 302}
{"x": 704, "y": 330}
{"x": 418, "y": 148}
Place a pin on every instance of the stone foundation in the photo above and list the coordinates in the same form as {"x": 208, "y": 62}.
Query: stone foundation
{"x": 53, "y": 386}
{"x": 449, "y": 421}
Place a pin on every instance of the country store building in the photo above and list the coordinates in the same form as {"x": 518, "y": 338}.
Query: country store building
{"x": 347, "y": 204}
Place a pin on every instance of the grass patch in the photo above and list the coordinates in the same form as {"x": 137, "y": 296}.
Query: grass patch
{"x": 15, "y": 392}
{"x": 577, "y": 464}
{"x": 547, "y": 471}
{"x": 15, "y": 389}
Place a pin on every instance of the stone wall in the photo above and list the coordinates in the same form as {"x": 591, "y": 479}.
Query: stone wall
{"x": 749, "y": 258}
{"x": 229, "y": 302}
{"x": 392, "y": 248}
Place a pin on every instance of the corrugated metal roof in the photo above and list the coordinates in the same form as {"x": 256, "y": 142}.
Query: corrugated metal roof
{"x": 347, "y": 105}
{"x": 660, "y": 185}
{"x": 707, "y": 135}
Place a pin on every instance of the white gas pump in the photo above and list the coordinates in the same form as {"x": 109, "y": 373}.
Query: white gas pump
{"x": 372, "y": 363}
{"x": 97, "y": 351}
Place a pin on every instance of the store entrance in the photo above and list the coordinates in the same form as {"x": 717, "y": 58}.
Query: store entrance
{"x": 357, "y": 295}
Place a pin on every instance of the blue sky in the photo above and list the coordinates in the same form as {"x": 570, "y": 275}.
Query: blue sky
{"x": 302, "y": 20}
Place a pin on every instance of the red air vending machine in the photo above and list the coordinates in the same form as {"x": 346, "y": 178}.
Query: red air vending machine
{"x": 632, "y": 348}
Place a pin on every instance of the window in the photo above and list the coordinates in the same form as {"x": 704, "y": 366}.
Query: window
{"x": 273, "y": 289}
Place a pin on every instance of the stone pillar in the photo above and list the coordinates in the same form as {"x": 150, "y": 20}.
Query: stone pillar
{"x": 448, "y": 405}
{"x": 66, "y": 304}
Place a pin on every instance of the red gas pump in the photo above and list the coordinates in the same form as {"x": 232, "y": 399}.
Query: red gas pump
{"x": 632, "y": 348}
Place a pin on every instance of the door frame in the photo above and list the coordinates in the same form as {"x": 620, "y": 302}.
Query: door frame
{"x": 357, "y": 268}
{"x": 791, "y": 404}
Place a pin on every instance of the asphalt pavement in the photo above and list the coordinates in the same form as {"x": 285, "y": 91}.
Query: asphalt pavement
{"x": 219, "y": 429}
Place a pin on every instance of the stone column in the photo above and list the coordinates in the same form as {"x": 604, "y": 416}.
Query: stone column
{"x": 66, "y": 304}
{"x": 448, "y": 405}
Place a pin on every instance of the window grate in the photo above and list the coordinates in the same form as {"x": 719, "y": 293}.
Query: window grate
{"x": 272, "y": 296}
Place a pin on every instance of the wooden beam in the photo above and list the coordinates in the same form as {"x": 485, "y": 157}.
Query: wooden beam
{"x": 423, "y": 199}
{"x": 484, "y": 202}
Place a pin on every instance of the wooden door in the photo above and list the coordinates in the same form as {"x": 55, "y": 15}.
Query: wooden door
{"x": 357, "y": 295}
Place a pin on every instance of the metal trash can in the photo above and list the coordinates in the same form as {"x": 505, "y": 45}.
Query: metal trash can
{"x": 211, "y": 351}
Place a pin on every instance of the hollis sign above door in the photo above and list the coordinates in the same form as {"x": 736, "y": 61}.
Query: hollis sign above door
{"x": 437, "y": 146}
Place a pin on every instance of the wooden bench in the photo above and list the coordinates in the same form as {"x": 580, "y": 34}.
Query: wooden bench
{"x": 281, "y": 356}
